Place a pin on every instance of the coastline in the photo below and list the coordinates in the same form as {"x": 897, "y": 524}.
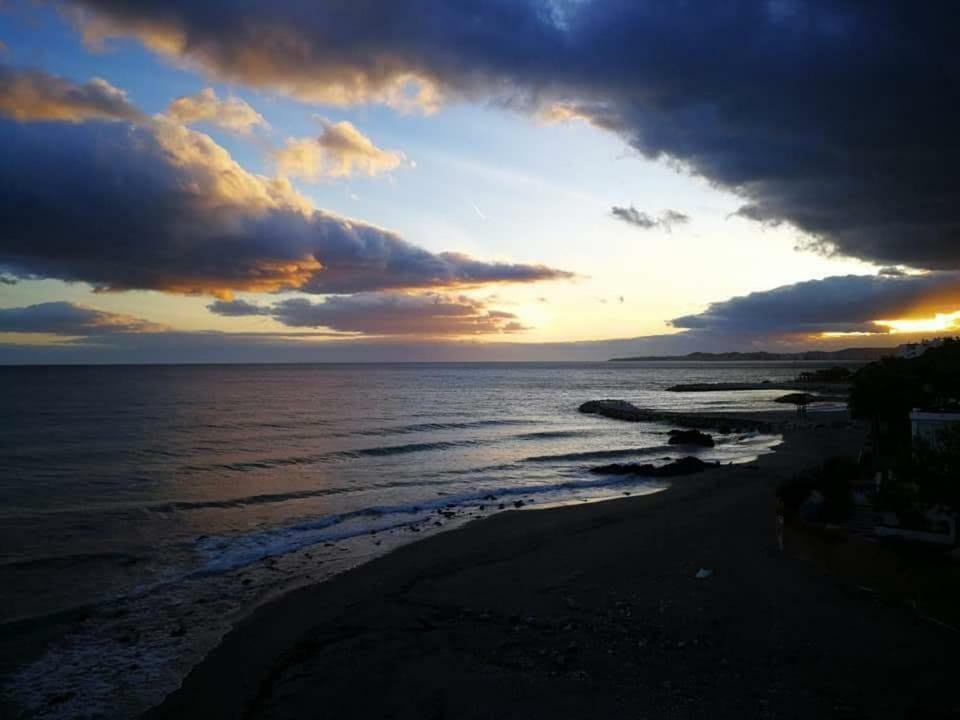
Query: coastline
{"x": 585, "y": 611}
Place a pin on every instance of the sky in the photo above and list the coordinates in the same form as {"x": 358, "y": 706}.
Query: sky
{"x": 190, "y": 181}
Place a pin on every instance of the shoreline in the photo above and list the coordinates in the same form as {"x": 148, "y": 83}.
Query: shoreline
{"x": 502, "y": 616}
{"x": 29, "y": 640}
{"x": 44, "y": 672}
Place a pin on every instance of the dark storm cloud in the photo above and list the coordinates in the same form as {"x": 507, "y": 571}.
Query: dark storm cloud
{"x": 837, "y": 117}
{"x": 383, "y": 313}
{"x": 848, "y": 303}
{"x": 65, "y": 318}
{"x": 666, "y": 219}
{"x": 155, "y": 205}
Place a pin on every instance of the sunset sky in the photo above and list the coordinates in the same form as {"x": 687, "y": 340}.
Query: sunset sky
{"x": 501, "y": 179}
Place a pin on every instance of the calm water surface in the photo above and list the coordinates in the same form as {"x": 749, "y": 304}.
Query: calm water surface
{"x": 166, "y": 501}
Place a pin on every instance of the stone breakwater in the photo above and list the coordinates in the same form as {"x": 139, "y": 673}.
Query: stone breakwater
{"x": 839, "y": 389}
{"x": 626, "y": 411}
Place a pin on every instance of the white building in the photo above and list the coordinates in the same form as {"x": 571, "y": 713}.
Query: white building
{"x": 912, "y": 350}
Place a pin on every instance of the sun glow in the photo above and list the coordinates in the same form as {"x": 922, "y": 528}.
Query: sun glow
{"x": 840, "y": 334}
{"x": 938, "y": 323}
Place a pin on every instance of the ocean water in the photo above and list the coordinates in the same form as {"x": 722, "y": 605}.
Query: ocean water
{"x": 153, "y": 506}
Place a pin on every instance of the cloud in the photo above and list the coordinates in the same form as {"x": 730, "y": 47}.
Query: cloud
{"x": 450, "y": 327}
{"x": 419, "y": 328}
{"x": 892, "y": 271}
{"x": 220, "y": 347}
{"x": 237, "y": 308}
{"x": 384, "y": 313}
{"x": 33, "y": 95}
{"x": 669, "y": 218}
{"x": 66, "y": 318}
{"x": 300, "y": 50}
{"x": 597, "y": 114}
{"x": 835, "y": 117}
{"x": 158, "y": 206}
{"x": 340, "y": 151}
{"x": 845, "y": 303}
{"x": 232, "y": 114}
{"x": 634, "y": 217}
{"x": 666, "y": 219}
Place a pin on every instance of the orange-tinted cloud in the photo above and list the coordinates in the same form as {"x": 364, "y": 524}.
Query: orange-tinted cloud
{"x": 340, "y": 150}
{"x": 33, "y": 95}
{"x": 275, "y": 55}
{"x": 232, "y": 114}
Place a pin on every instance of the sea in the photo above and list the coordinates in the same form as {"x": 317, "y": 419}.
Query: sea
{"x": 145, "y": 509}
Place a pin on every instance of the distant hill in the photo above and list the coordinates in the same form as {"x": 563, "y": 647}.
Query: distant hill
{"x": 847, "y": 355}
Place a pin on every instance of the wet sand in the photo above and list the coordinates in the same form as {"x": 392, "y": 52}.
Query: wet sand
{"x": 591, "y": 611}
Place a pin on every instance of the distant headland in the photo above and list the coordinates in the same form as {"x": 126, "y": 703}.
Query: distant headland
{"x": 846, "y": 355}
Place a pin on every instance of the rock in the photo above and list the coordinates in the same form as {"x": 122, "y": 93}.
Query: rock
{"x": 683, "y": 466}
{"x": 518, "y": 504}
{"x": 690, "y": 437}
{"x": 617, "y": 409}
{"x": 796, "y": 399}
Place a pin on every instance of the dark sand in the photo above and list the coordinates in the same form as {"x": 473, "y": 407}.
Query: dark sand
{"x": 592, "y": 611}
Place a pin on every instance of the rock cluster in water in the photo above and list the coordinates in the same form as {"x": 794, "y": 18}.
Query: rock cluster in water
{"x": 618, "y": 409}
{"x": 690, "y": 437}
{"x": 683, "y": 466}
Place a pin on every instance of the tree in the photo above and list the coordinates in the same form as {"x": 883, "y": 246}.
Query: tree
{"x": 884, "y": 392}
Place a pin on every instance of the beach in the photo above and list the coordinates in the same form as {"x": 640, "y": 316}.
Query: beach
{"x": 677, "y": 604}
